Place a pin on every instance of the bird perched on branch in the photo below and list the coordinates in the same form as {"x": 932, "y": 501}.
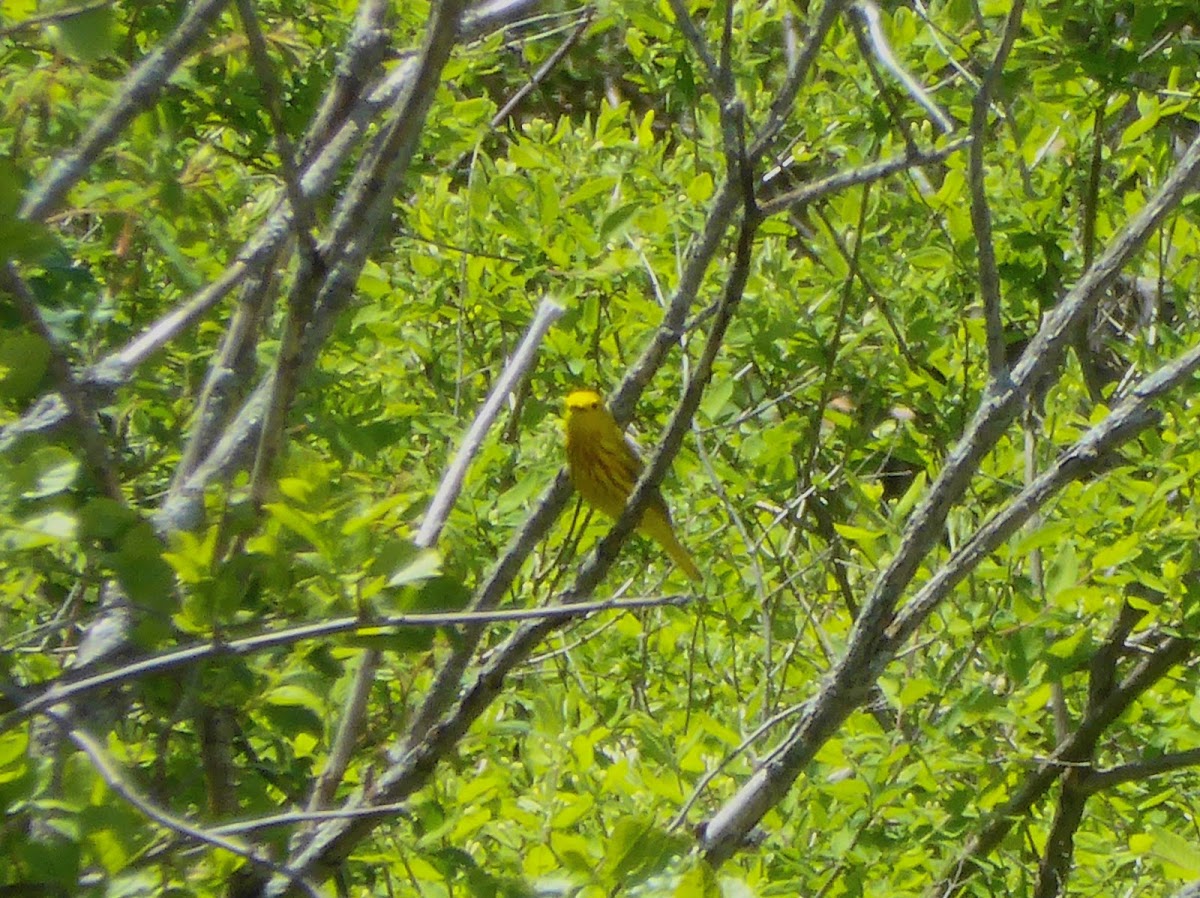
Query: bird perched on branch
{"x": 605, "y": 466}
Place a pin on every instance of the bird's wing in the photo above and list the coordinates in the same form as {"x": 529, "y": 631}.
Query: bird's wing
{"x": 634, "y": 463}
{"x": 634, "y": 455}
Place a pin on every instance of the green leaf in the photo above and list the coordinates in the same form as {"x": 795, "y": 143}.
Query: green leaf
{"x": 593, "y": 187}
{"x": 699, "y": 881}
{"x": 1064, "y": 571}
{"x": 637, "y": 849}
{"x": 616, "y": 221}
{"x": 295, "y": 697}
{"x": 1178, "y": 855}
{"x": 46, "y": 530}
{"x": 299, "y": 522}
{"x": 145, "y": 575}
{"x": 104, "y": 518}
{"x": 23, "y": 362}
{"x": 48, "y": 471}
{"x": 1120, "y": 552}
{"x": 86, "y": 37}
{"x": 425, "y": 564}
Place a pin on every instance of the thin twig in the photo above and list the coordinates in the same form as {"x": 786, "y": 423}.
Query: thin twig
{"x": 127, "y": 791}
{"x": 302, "y": 212}
{"x": 699, "y": 46}
{"x": 61, "y": 690}
{"x": 229, "y": 371}
{"x": 1137, "y": 771}
{"x": 292, "y": 818}
{"x": 784, "y": 103}
{"x": 49, "y": 18}
{"x": 1081, "y": 744}
{"x": 427, "y": 536}
{"x": 548, "y": 312}
{"x": 544, "y": 70}
{"x": 341, "y": 750}
{"x": 702, "y": 784}
{"x": 864, "y": 174}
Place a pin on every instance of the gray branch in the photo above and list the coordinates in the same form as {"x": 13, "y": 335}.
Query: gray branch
{"x": 870, "y": 649}
{"x": 137, "y": 94}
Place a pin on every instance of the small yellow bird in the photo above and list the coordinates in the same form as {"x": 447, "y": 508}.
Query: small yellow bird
{"x": 605, "y": 466}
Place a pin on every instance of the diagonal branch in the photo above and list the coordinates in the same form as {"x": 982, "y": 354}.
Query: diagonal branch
{"x": 700, "y": 46}
{"x": 1079, "y": 746}
{"x": 412, "y": 769}
{"x": 427, "y": 537}
{"x": 1136, "y": 771}
{"x": 868, "y": 12}
{"x": 871, "y": 647}
{"x": 781, "y": 106}
{"x": 136, "y": 95}
{"x": 864, "y": 174}
{"x": 259, "y": 255}
{"x": 72, "y": 687}
{"x": 129, "y": 793}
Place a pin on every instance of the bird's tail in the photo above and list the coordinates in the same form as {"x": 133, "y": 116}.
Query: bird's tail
{"x": 659, "y": 528}
{"x": 683, "y": 558}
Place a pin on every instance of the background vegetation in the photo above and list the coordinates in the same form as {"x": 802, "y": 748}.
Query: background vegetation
{"x": 900, "y": 300}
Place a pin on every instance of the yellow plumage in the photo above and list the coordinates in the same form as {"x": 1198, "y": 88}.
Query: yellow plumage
{"x": 605, "y": 467}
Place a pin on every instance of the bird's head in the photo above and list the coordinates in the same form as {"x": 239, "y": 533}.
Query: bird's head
{"x": 586, "y": 416}
{"x": 582, "y": 402}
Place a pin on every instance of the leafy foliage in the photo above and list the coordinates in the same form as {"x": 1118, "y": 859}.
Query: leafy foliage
{"x": 853, "y": 365}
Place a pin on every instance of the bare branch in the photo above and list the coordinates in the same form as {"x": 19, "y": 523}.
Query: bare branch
{"x": 518, "y": 366}
{"x": 260, "y": 253}
{"x": 864, "y": 174}
{"x": 139, "y": 91}
{"x": 1079, "y": 746}
{"x": 69, "y": 688}
{"x": 49, "y": 18}
{"x": 431, "y": 527}
{"x": 341, "y": 749}
{"x": 981, "y": 216}
{"x": 129, "y": 793}
{"x": 302, "y": 213}
{"x": 873, "y": 640}
{"x": 359, "y": 64}
{"x": 781, "y": 106}
{"x": 1136, "y": 771}
{"x": 869, "y": 13}
{"x": 544, "y": 70}
{"x": 699, "y": 45}
{"x": 1055, "y": 864}
{"x": 292, "y": 818}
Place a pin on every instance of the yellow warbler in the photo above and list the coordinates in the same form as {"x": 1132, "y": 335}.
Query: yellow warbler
{"x": 605, "y": 466}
